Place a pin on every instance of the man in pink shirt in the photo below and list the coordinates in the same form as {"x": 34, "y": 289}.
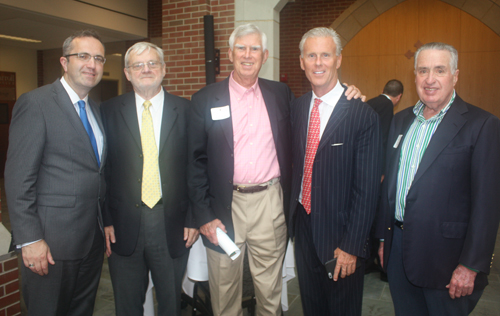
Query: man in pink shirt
{"x": 239, "y": 174}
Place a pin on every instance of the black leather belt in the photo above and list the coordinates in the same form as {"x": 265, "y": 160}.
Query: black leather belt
{"x": 398, "y": 224}
{"x": 252, "y": 189}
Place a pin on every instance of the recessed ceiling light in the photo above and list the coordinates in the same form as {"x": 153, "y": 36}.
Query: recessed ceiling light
{"x": 21, "y": 39}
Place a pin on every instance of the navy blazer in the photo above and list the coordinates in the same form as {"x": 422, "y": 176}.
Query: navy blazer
{"x": 453, "y": 205}
{"x": 124, "y": 172}
{"x": 346, "y": 175}
{"x": 211, "y": 150}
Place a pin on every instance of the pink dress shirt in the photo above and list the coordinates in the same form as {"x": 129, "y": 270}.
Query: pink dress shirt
{"x": 255, "y": 159}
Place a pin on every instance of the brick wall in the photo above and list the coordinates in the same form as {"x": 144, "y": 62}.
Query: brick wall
{"x": 296, "y": 18}
{"x": 183, "y": 42}
{"x": 9, "y": 284}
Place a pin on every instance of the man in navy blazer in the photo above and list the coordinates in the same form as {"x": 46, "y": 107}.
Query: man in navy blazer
{"x": 239, "y": 174}
{"x": 143, "y": 236}
{"x": 334, "y": 186}
{"x": 440, "y": 198}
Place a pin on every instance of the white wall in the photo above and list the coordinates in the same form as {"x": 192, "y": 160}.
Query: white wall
{"x": 23, "y": 63}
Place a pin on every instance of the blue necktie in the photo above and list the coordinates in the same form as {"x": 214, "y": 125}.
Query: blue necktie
{"x": 88, "y": 128}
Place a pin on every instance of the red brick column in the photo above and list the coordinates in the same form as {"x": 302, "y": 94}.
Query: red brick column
{"x": 183, "y": 42}
{"x": 9, "y": 284}
{"x": 296, "y": 18}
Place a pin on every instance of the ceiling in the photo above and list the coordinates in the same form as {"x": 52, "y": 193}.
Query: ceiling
{"x": 50, "y": 30}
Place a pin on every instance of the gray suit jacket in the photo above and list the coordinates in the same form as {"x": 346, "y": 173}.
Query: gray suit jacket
{"x": 53, "y": 183}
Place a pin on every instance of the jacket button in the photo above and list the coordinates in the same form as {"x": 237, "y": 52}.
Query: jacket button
{"x": 140, "y": 156}
{"x": 139, "y": 180}
{"x": 137, "y": 205}
{"x": 388, "y": 228}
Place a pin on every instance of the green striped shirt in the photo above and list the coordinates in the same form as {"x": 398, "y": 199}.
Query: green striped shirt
{"x": 412, "y": 150}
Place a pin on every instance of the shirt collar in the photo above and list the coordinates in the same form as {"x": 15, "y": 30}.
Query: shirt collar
{"x": 72, "y": 94}
{"x": 239, "y": 89}
{"x": 155, "y": 101}
{"x": 418, "y": 109}
{"x": 333, "y": 96}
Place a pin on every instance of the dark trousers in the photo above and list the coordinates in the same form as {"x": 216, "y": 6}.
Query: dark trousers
{"x": 412, "y": 300}
{"x": 129, "y": 274}
{"x": 321, "y": 295}
{"x": 70, "y": 287}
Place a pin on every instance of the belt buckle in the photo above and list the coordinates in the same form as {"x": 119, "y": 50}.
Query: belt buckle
{"x": 238, "y": 187}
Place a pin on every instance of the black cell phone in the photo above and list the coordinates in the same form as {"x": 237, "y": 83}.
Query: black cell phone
{"x": 330, "y": 266}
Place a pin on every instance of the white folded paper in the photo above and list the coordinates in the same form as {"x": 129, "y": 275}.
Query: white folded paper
{"x": 227, "y": 244}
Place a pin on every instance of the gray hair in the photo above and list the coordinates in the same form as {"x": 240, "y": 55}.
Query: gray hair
{"x": 322, "y": 32}
{"x": 440, "y": 46}
{"x": 139, "y": 48}
{"x": 247, "y": 29}
{"x": 68, "y": 42}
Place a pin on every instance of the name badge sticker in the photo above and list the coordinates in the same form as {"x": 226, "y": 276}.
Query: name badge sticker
{"x": 396, "y": 144}
{"x": 220, "y": 113}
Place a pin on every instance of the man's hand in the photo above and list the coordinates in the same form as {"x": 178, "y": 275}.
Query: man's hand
{"x": 37, "y": 257}
{"x": 190, "y": 236}
{"x": 209, "y": 230}
{"x": 462, "y": 282}
{"x": 109, "y": 232}
{"x": 353, "y": 92}
{"x": 381, "y": 253}
{"x": 346, "y": 264}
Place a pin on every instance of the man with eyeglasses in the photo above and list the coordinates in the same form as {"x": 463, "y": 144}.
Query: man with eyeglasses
{"x": 147, "y": 221}
{"x": 55, "y": 184}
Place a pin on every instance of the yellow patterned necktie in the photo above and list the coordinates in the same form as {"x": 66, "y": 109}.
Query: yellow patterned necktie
{"x": 151, "y": 192}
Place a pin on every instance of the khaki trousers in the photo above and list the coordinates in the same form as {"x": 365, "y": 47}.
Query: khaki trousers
{"x": 259, "y": 224}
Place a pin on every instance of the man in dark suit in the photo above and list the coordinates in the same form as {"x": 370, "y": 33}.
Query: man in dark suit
{"x": 55, "y": 185}
{"x": 384, "y": 106}
{"x": 440, "y": 198}
{"x": 147, "y": 219}
{"x": 335, "y": 181}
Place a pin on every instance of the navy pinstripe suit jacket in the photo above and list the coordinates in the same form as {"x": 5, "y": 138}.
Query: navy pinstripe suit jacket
{"x": 346, "y": 175}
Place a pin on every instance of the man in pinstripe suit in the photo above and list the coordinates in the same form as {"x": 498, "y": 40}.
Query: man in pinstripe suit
{"x": 335, "y": 181}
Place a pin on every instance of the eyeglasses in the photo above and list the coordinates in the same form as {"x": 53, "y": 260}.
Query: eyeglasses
{"x": 85, "y": 57}
{"x": 152, "y": 64}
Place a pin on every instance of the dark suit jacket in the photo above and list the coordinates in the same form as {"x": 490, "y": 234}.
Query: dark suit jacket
{"x": 124, "y": 171}
{"x": 53, "y": 183}
{"x": 346, "y": 175}
{"x": 452, "y": 209}
{"x": 211, "y": 150}
{"x": 385, "y": 110}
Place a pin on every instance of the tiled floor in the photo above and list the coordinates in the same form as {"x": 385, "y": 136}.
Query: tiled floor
{"x": 376, "y": 296}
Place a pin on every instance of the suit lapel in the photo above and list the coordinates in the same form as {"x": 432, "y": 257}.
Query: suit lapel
{"x": 63, "y": 101}
{"x": 168, "y": 118}
{"x": 272, "y": 108}
{"x": 128, "y": 111}
{"x": 400, "y": 128}
{"x": 222, "y": 99}
{"x": 451, "y": 124}
{"x": 338, "y": 115}
{"x": 97, "y": 116}
{"x": 302, "y": 123}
